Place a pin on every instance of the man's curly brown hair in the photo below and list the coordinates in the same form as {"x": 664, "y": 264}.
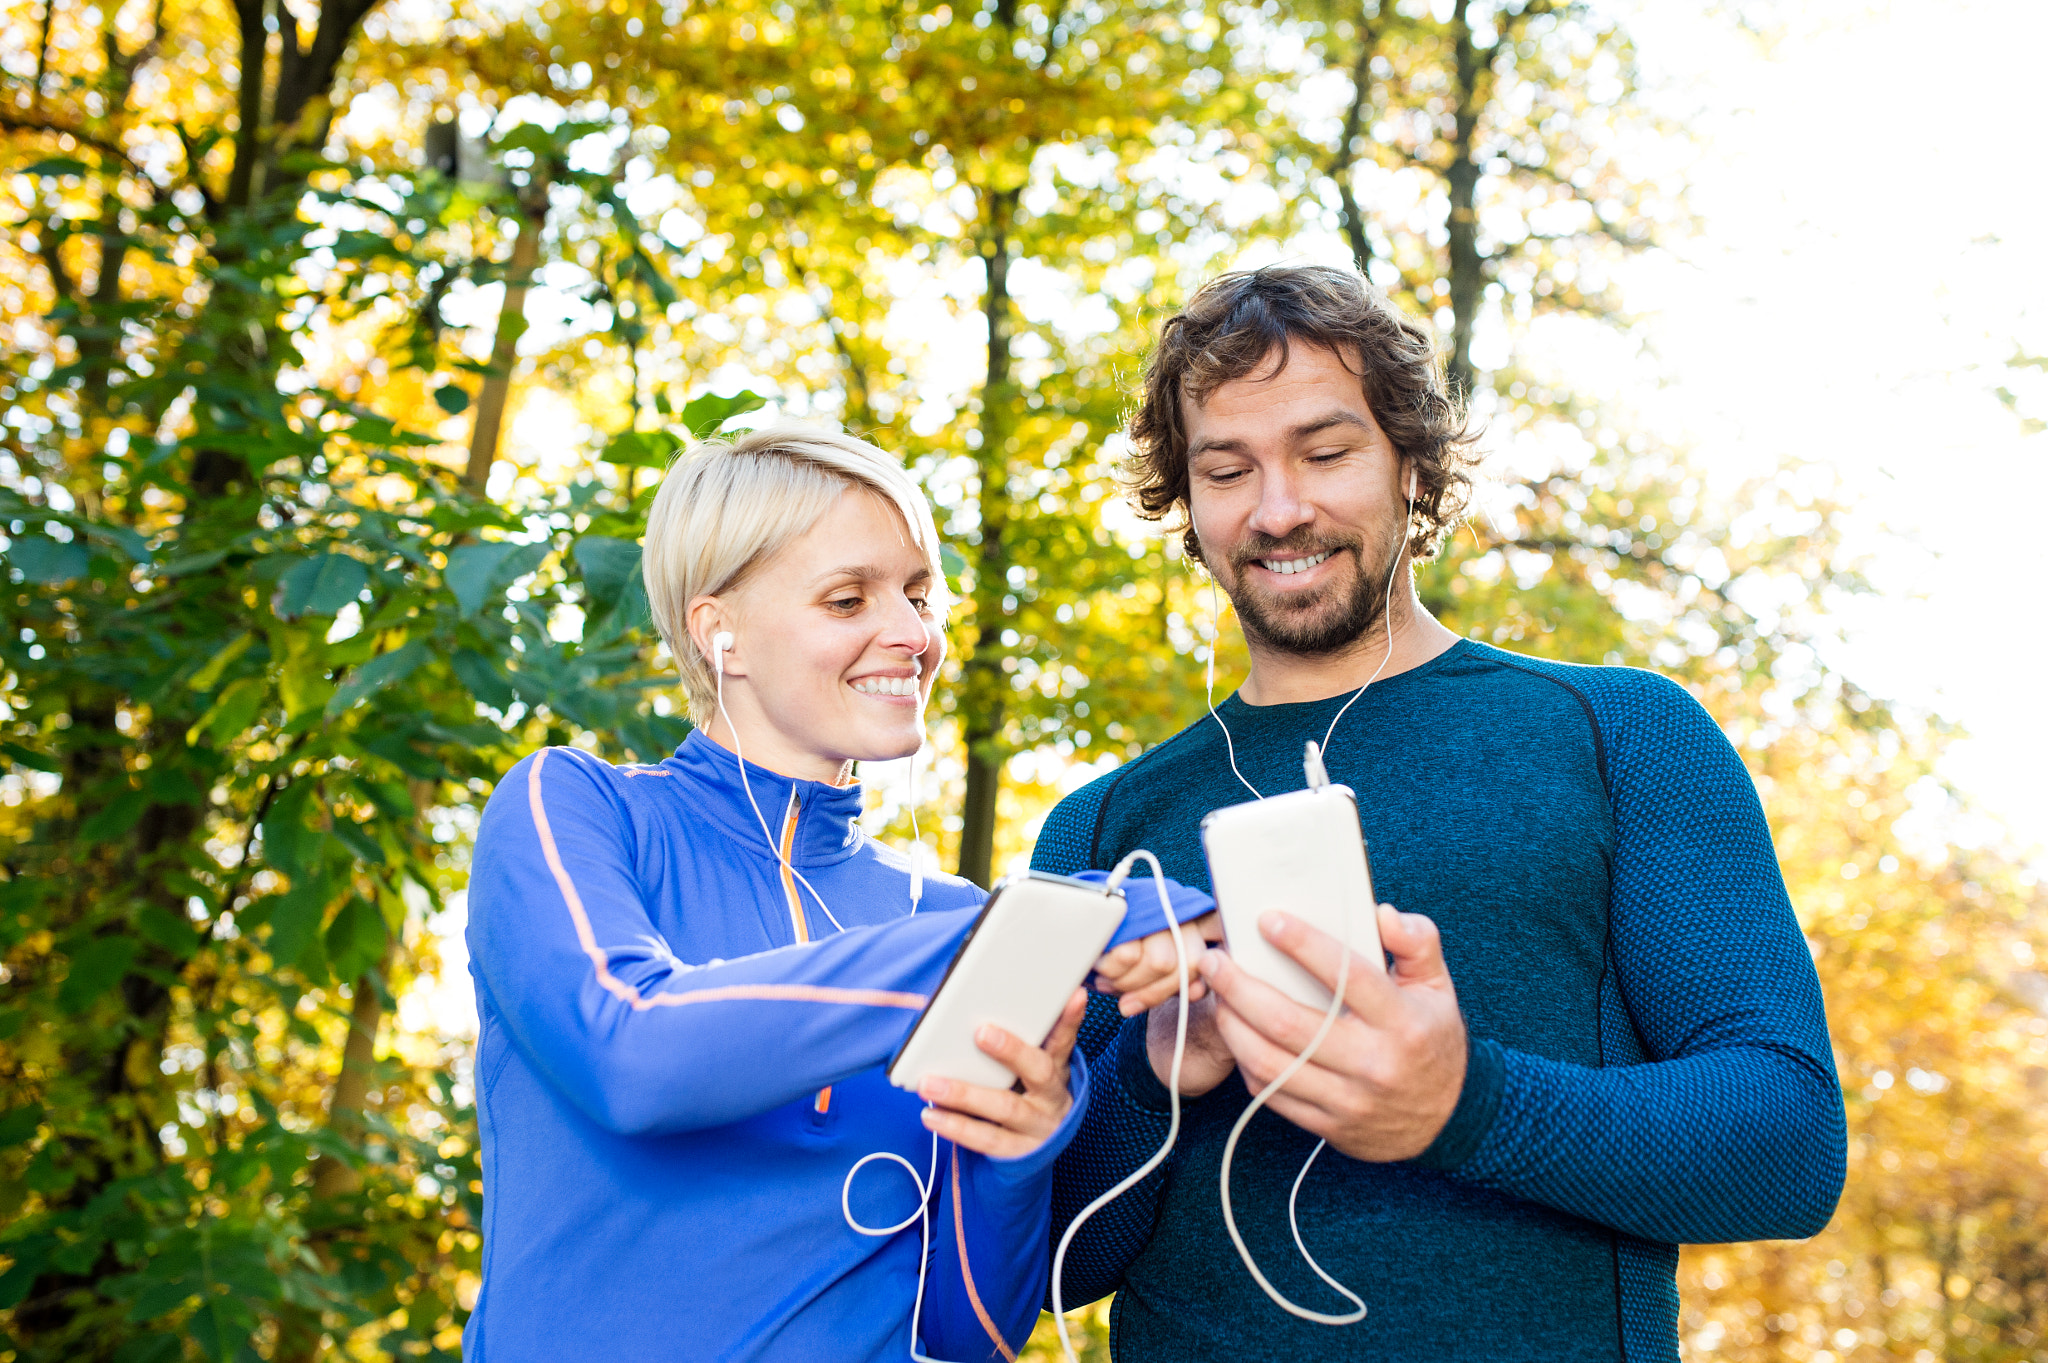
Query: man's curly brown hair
{"x": 1232, "y": 326}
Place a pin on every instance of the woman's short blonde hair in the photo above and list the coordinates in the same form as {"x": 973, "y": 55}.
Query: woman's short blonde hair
{"x": 727, "y": 506}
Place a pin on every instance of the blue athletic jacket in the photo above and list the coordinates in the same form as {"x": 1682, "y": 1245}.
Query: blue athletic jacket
{"x": 681, "y": 1059}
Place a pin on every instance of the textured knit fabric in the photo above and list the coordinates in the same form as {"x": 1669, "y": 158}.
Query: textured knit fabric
{"x": 1650, "y": 1062}
{"x": 672, "y": 1083}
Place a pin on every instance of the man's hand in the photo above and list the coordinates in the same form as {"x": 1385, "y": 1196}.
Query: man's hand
{"x": 1147, "y": 972}
{"x": 1009, "y": 1123}
{"x": 1387, "y": 1078}
{"x": 1205, "y": 1063}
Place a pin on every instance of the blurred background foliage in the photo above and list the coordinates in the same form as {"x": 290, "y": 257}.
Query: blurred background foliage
{"x": 343, "y": 343}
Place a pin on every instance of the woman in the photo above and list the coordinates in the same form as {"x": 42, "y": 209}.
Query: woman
{"x": 689, "y": 974}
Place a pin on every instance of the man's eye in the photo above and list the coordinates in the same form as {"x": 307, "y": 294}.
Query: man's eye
{"x": 1327, "y": 456}
{"x": 1223, "y": 476}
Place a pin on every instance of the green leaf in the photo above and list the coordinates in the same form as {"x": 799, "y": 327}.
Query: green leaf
{"x": 29, "y": 1257}
{"x": 30, "y": 758}
{"x": 483, "y": 679}
{"x": 44, "y": 560}
{"x": 384, "y": 670}
{"x": 130, "y": 543}
{"x": 357, "y": 841}
{"x": 642, "y": 449}
{"x": 207, "y": 677}
{"x": 608, "y": 565}
{"x": 397, "y": 749}
{"x": 320, "y": 585}
{"x": 174, "y": 934}
{"x": 295, "y": 919}
{"x": 192, "y": 563}
{"x": 355, "y": 940}
{"x": 288, "y": 844}
{"x": 19, "y": 1125}
{"x": 115, "y": 817}
{"x": 56, "y": 165}
{"x": 232, "y": 712}
{"x": 477, "y": 571}
{"x": 97, "y": 965}
{"x": 702, "y": 416}
{"x": 150, "y": 1349}
{"x": 453, "y": 399}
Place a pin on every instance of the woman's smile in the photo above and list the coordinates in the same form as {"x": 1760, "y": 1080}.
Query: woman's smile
{"x": 887, "y": 687}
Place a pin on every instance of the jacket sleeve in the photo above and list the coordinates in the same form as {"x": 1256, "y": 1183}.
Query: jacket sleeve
{"x": 566, "y": 951}
{"x": 1733, "y": 1129}
{"x": 989, "y": 1223}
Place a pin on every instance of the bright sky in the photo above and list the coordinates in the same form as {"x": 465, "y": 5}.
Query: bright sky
{"x": 1874, "y": 251}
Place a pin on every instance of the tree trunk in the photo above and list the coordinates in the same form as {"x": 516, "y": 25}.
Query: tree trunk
{"x": 490, "y": 403}
{"x": 1347, "y": 158}
{"x": 1468, "y": 267}
{"x": 984, "y": 683}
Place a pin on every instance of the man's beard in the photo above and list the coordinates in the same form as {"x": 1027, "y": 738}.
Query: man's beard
{"x": 1313, "y": 624}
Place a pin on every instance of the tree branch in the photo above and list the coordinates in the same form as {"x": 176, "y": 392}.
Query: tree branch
{"x": 18, "y": 123}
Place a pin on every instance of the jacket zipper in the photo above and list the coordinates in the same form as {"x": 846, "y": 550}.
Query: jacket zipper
{"x": 821, "y": 1105}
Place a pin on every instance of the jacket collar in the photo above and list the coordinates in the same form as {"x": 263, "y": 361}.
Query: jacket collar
{"x": 827, "y": 817}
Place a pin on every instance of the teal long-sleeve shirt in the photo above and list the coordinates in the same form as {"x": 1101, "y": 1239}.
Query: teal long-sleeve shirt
{"x": 1650, "y": 1062}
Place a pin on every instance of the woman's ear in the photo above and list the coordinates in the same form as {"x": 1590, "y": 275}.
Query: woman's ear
{"x": 713, "y": 636}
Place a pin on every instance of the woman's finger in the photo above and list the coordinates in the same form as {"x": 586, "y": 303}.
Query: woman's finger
{"x": 1028, "y": 1063}
{"x": 1060, "y": 1045}
{"x": 1002, "y": 1107}
{"x": 982, "y": 1137}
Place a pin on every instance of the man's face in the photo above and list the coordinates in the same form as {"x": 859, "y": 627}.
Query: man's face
{"x": 1296, "y": 495}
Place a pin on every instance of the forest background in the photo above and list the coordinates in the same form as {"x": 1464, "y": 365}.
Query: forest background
{"x": 343, "y": 341}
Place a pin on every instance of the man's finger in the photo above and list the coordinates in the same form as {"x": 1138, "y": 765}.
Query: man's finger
{"x": 1273, "y": 1014}
{"x": 1415, "y": 944}
{"x": 1367, "y": 991}
{"x": 1260, "y": 1059}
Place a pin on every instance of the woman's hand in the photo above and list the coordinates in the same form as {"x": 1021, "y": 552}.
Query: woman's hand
{"x": 1147, "y": 972}
{"x": 1009, "y": 1123}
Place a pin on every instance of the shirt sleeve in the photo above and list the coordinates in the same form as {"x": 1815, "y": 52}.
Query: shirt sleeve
{"x": 1733, "y": 1128}
{"x": 564, "y": 947}
{"x": 1127, "y": 1120}
{"x": 990, "y": 1221}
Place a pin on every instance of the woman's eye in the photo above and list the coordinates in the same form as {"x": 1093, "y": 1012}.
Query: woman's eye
{"x": 848, "y": 604}
{"x": 923, "y": 604}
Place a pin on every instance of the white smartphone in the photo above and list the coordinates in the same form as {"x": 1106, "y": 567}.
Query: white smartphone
{"x": 1301, "y": 853}
{"x": 1036, "y": 940}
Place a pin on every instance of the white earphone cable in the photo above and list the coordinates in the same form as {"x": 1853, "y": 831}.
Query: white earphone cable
{"x": 1180, "y": 1044}
{"x": 740, "y": 757}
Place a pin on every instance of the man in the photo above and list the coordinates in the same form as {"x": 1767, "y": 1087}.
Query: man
{"x": 1601, "y": 1034}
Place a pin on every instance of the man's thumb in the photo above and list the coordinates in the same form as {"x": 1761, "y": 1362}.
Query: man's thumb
{"x": 1414, "y": 943}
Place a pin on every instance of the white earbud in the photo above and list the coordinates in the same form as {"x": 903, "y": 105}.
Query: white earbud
{"x": 720, "y": 642}
{"x": 1411, "y": 484}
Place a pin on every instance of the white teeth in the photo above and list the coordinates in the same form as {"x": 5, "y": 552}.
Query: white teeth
{"x": 1287, "y": 566}
{"x": 886, "y": 686}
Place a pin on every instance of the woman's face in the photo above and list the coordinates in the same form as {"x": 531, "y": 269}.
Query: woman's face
{"x": 835, "y": 645}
